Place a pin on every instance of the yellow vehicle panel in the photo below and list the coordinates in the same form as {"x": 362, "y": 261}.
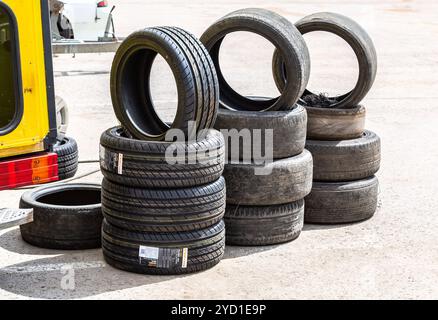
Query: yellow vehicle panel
{"x": 36, "y": 121}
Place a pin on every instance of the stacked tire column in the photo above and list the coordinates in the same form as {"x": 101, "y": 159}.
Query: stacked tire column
{"x": 345, "y": 155}
{"x": 266, "y": 179}
{"x": 163, "y": 200}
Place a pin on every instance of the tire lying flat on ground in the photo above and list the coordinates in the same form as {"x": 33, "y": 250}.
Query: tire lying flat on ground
{"x": 335, "y": 124}
{"x": 163, "y": 210}
{"x": 65, "y": 216}
{"x": 163, "y": 253}
{"x": 194, "y": 73}
{"x": 67, "y": 151}
{"x": 359, "y": 41}
{"x": 141, "y": 163}
{"x": 263, "y": 225}
{"x": 341, "y": 202}
{"x": 278, "y": 182}
{"x": 283, "y": 35}
{"x": 288, "y": 132}
{"x": 345, "y": 160}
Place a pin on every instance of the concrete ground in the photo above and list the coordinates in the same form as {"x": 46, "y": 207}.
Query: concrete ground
{"x": 394, "y": 255}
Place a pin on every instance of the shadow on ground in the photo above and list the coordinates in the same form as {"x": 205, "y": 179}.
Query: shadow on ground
{"x": 51, "y": 278}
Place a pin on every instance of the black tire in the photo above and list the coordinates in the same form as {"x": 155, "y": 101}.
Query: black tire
{"x": 283, "y": 35}
{"x": 335, "y": 124}
{"x": 195, "y": 78}
{"x": 68, "y": 156}
{"x": 359, "y": 41}
{"x": 345, "y": 160}
{"x": 263, "y": 225}
{"x": 65, "y": 216}
{"x": 141, "y": 163}
{"x": 288, "y": 132}
{"x": 163, "y": 210}
{"x": 205, "y": 248}
{"x": 277, "y": 182}
{"x": 342, "y": 202}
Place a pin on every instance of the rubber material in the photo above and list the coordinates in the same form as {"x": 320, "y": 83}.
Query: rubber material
{"x": 342, "y": 202}
{"x": 288, "y": 132}
{"x": 66, "y": 216}
{"x": 335, "y": 124}
{"x": 263, "y": 225}
{"x": 194, "y": 73}
{"x": 345, "y": 160}
{"x": 145, "y": 164}
{"x": 277, "y": 182}
{"x": 359, "y": 41}
{"x": 163, "y": 210}
{"x": 205, "y": 248}
{"x": 67, "y": 151}
{"x": 283, "y": 35}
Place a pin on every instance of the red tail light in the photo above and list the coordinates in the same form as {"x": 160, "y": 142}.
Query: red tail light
{"x": 18, "y": 172}
{"x": 102, "y": 4}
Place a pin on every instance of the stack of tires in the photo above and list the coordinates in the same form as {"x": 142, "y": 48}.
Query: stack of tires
{"x": 163, "y": 201}
{"x": 266, "y": 180}
{"x": 345, "y": 155}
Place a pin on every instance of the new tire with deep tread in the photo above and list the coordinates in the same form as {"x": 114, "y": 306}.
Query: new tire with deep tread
{"x": 66, "y": 216}
{"x": 275, "y": 182}
{"x": 68, "y": 156}
{"x": 195, "y": 78}
{"x": 147, "y": 164}
{"x": 288, "y": 132}
{"x": 342, "y": 202}
{"x": 205, "y": 248}
{"x": 263, "y": 225}
{"x": 163, "y": 210}
{"x": 345, "y": 160}
{"x": 355, "y": 36}
{"x": 283, "y": 35}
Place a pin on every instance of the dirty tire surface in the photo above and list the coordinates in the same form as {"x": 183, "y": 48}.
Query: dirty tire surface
{"x": 341, "y": 202}
{"x": 263, "y": 225}
{"x": 345, "y": 160}
{"x": 141, "y": 163}
{"x": 283, "y": 35}
{"x": 163, "y": 210}
{"x": 195, "y": 77}
{"x": 68, "y": 156}
{"x": 356, "y": 37}
{"x": 65, "y": 216}
{"x": 288, "y": 132}
{"x": 335, "y": 124}
{"x": 278, "y": 182}
{"x": 205, "y": 248}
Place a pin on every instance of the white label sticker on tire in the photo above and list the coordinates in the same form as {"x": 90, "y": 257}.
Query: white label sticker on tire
{"x": 148, "y": 252}
{"x": 120, "y": 164}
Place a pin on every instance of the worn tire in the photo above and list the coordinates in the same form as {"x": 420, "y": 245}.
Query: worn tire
{"x": 121, "y": 249}
{"x": 195, "y": 78}
{"x": 290, "y": 180}
{"x": 263, "y": 225}
{"x": 65, "y": 216}
{"x": 345, "y": 160}
{"x": 283, "y": 35}
{"x": 335, "y": 124}
{"x": 288, "y": 132}
{"x": 68, "y": 156}
{"x": 141, "y": 163}
{"x": 359, "y": 41}
{"x": 342, "y": 202}
{"x": 163, "y": 210}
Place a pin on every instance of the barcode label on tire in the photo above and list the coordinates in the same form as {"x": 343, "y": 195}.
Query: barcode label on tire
{"x": 166, "y": 258}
